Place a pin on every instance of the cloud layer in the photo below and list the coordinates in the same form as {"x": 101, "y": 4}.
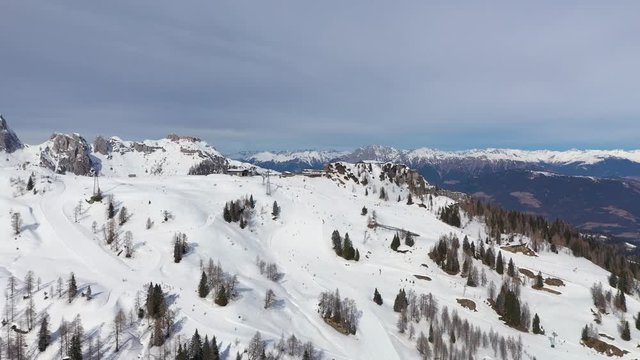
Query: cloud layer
{"x": 297, "y": 74}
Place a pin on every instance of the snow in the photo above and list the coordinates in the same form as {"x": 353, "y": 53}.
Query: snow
{"x": 307, "y": 156}
{"x": 385, "y": 153}
{"x": 53, "y": 245}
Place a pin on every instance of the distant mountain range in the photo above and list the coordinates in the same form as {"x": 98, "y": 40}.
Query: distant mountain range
{"x": 597, "y": 190}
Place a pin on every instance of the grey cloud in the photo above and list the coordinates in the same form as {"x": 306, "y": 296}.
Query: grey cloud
{"x": 288, "y": 74}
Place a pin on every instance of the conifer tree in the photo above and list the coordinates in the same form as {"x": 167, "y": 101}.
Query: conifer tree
{"x": 30, "y": 183}
{"x": 400, "y": 302}
{"x": 625, "y": 333}
{"x": 111, "y": 210}
{"x": 357, "y": 256}
{"x": 585, "y": 333}
{"x": 364, "y": 211}
{"x": 221, "y": 297}
{"x": 276, "y": 210}
{"x": 336, "y": 239}
{"x": 203, "y": 287}
{"x": 377, "y": 298}
{"x": 511, "y": 268}
{"x": 348, "y": 252}
{"x": 383, "y": 194}
{"x": 539, "y": 281}
{"x": 395, "y": 244}
{"x": 409, "y": 199}
{"x": 499, "y": 264}
{"x": 638, "y": 321}
{"x": 75, "y": 350}
{"x": 536, "y": 325}
{"x": 44, "y": 336}
{"x": 72, "y": 290}
{"x": 620, "y": 301}
{"x": 408, "y": 240}
{"x": 430, "y": 333}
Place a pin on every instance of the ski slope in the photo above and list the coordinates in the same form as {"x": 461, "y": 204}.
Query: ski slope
{"x": 52, "y": 245}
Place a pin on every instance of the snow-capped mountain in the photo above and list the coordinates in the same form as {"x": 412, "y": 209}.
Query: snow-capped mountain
{"x": 9, "y": 141}
{"x": 565, "y": 161}
{"x": 295, "y": 161}
{"x": 62, "y": 153}
{"x": 61, "y": 233}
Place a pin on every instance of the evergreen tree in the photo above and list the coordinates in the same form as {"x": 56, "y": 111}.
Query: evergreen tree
{"x": 336, "y": 239}
{"x": 221, "y": 297}
{"x": 72, "y": 290}
{"x": 430, "y": 333}
{"x": 539, "y": 281}
{"x": 226, "y": 214}
{"x": 195, "y": 347}
{"x": 30, "y": 183}
{"x": 620, "y": 301}
{"x": 203, "y": 287}
{"x": 377, "y": 298}
{"x": 452, "y": 337}
{"x": 383, "y": 194}
{"x": 111, "y": 210}
{"x": 348, "y": 252}
{"x": 409, "y": 200}
{"x": 395, "y": 244}
{"x": 215, "y": 352}
{"x": 638, "y": 321}
{"x": 206, "y": 349}
{"x": 44, "y": 336}
{"x": 585, "y": 333}
{"x": 364, "y": 211}
{"x": 305, "y": 355}
{"x": 252, "y": 203}
{"x": 625, "y": 333}
{"x": 276, "y": 210}
{"x": 472, "y": 277}
{"x": 536, "y": 325}
{"x": 357, "y": 257}
{"x": 89, "y": 293}
{"x": 177, "y": 251}
{"x": 408, "y": 240}
{"x": 401, "y": 301}
{"x": 511, "y": 268}
{"x": 499, "y": 264}
{"x": 613, "y": 280}
{"x": 75, "y": 350}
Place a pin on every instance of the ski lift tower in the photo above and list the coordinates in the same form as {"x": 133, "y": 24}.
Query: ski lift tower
{"x": 96, "y": 184}
{"x": 268, "y": 182}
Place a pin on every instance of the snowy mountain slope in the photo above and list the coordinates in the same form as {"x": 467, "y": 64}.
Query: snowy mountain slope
{"x": 296, "y": 161}
{"x": 434, "y": 156}
{"x": 171, "y": 156}
{"x": 52, "y": 244}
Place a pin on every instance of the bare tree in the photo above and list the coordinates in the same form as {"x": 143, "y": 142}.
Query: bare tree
{"x": 77, "y": 211}
{"x": 118, "y": 326}
{"x": 16, "y": 222}
{"x": 269, "y": 299}
{"x": 29, "y": 282}
{"x": 128, "y": 244}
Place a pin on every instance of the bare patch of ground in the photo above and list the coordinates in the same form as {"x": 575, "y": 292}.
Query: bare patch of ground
{"x": 526, "y": 198}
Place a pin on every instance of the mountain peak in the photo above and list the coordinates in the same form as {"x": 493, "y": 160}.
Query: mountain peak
{"x": 9, "y": 141}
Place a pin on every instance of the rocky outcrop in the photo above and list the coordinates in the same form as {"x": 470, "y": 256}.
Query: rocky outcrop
{"x": 9, "y": 141}
{"x": 67, "y": 153}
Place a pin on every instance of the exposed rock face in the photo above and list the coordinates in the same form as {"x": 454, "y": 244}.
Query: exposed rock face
{"x": 67, "y": 153}
{"x": 102, "y": 145}
{"x": 9, "y": 141}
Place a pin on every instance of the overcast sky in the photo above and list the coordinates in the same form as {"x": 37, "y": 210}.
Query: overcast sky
{"x": 248, "y": 75}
